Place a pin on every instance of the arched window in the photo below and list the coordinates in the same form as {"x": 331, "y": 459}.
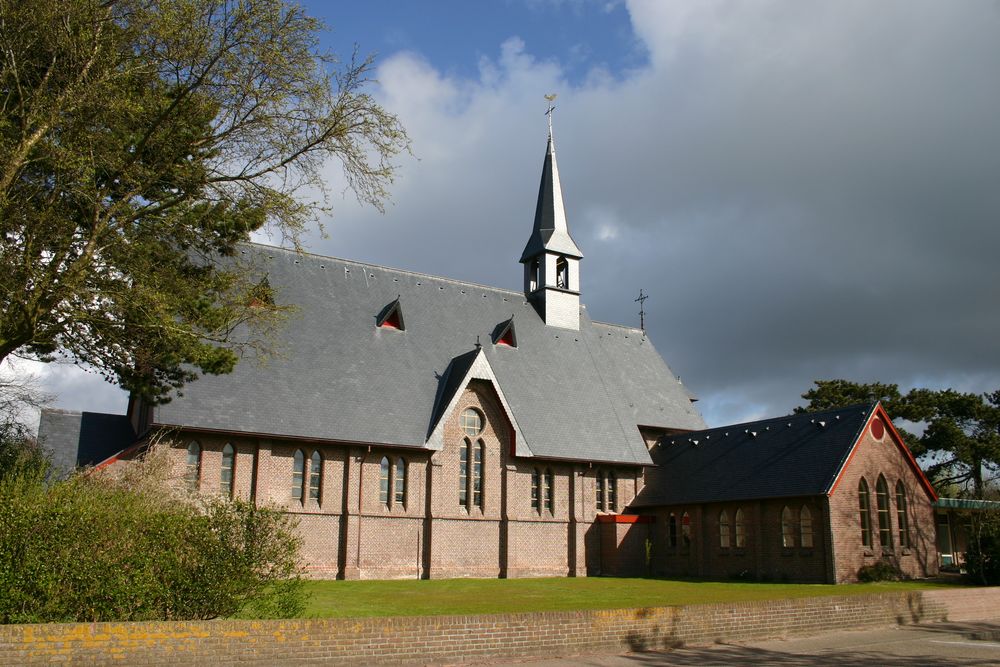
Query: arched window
{"x": 724, "y": 529}
{"x": 298, "y": 474}
{"x": 192, "y": 473}
{"x": 864, "y": 512}
{"x": 686, "y": 530}
{"x": 477, "y": 474}
{"x": 533, "y": 279}
{"x": 463, "y": 473}
{"x": 226, "y": 476}
{"x": 806, "y": 528}
{"x": 315, "y": 476}
{"x": 399, "y": 482}
{"x": 787, "y": 528}
{"x": 884, "y": 520}
{"x": 562, "y": 273}
{"x": 902, "y": 518}
{"x": 741, "y": 530}
{"x": 536, "y": 483}
{"x": 383, "y": 478}
{"x": 672, "y": 530}
{"x": 550, "y": 484}
{"x": 600, "y": 486}
{"x": 612, "y": 492}
{"x": 470, "y": 474}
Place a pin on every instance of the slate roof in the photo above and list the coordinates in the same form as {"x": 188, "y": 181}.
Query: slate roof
{"x": 574, "y": 394}
{"x": 550, "y": 230}
{"x": 82, "y": 438}
{"x": 797, "y": 455}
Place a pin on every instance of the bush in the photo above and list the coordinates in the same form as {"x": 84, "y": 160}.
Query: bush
{"x": 982, "y": 556}
{"x": 883, "y": 570}
{"x": 91, "y": 548}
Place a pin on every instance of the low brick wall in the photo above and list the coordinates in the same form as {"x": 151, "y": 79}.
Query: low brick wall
{"x": 435, "y": 639}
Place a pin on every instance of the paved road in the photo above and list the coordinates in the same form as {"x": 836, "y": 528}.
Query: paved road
{"x": 960, "y": 644}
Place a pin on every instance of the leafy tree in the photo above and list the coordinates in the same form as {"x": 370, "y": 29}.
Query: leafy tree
{"x": 141, "y": 141}
{"x": 961, "y": 437}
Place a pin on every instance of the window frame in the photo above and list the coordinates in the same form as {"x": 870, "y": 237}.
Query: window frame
{"x": 865, "y": 513}
{"x": 672, "y": 530}
{"x": 464, "y": 454}
{"x": 883, "y": 505}
{"x": 478, "y": 474}
{"x": 612, "y": 495}
{"x": 725, "y": 537}
{"x": 226, "y": 487}
{"x": 787, "y": 528}
{"x": 316, "y": 476}
{"x": 192, "y": 470}
{"x": 399, "y": 490}
{"x": 902, "y": 516}
{"x": 299, "y": 476}
{"x": 806, "y": 529}
{"x": 465, "y": 424}
{"x": 549, "y": 491}
{"x": 739, "y": 525}
{"x": 385, "y": 481}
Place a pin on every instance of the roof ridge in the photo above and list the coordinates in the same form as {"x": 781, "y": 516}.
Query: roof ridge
{"x": 867, "y": 407}
{"x": 619, "y": 326}
{"x": 382, "y": 267}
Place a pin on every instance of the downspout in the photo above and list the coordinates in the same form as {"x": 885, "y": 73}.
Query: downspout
{"x": 361, "y": 477}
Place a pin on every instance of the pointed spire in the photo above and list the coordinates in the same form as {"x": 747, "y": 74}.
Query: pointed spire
{"x": 551, "y": 231}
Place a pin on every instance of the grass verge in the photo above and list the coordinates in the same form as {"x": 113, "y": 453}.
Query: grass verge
{"x": 338, "y": 599}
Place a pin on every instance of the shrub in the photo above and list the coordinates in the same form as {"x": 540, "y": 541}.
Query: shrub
{"x": 92, "y": 548}
{"x": 883, "y": 570}
{"x": 982, "y": 556}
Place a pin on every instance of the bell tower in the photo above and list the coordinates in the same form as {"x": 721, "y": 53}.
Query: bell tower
{"x": 551, "y": 258}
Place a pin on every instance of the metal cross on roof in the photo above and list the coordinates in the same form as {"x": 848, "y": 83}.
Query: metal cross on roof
{"x": 642, "y": 310}
{"x": 548, "y": 112}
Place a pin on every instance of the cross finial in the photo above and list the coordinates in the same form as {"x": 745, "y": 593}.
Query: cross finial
{"x": 642, "y": 309}
{"x": 548, "y": 112}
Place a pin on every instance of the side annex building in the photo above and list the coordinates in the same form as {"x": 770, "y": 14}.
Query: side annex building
{"x": 418, "y": 426}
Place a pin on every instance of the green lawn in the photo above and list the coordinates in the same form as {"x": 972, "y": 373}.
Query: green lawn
{"x": 486, "y": 596}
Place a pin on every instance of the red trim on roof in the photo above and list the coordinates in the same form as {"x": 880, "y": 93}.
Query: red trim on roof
{"x": 117, "y": 457}
{"x": 906, "y": 450}
{"x": 880, "y": 413}
{"x": 624, "y": 518}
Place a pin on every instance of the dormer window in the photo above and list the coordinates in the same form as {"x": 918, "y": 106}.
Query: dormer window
{"x": 504, "y": 334}
{"x": 391, "y": 317}
{"x": 562, "y": 273}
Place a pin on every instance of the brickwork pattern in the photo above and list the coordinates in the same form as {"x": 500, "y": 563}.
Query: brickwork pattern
{"x": 874, "y": 457}
{"x": 414, "y": 640}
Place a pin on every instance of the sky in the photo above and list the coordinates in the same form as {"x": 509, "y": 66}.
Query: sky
{"x": 805, "y": 190}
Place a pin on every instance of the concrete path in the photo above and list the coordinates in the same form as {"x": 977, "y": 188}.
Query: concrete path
{"x": 963, "y": 644}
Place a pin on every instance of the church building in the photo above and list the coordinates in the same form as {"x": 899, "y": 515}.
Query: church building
{"x": 418, "y": 426}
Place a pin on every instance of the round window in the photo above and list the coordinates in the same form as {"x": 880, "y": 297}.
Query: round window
{"x": 878, "y": 428}
{"x": 471, "y": 422}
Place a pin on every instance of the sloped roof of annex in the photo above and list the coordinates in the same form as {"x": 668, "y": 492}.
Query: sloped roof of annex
{"x": 795, "y": 455}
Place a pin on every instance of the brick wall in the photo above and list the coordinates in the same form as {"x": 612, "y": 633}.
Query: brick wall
{"x": 874, "y": 457}
{"x": 349, "y": 532}
{"x": 465, "y": 638}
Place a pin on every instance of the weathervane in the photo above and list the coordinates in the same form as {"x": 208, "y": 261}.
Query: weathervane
{"x": 548, "y": 112}
{"x": 642, "y": 309}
